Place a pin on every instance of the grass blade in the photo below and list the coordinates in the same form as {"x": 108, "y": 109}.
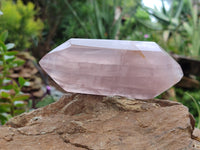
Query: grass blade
{"x": 198, "y": 108}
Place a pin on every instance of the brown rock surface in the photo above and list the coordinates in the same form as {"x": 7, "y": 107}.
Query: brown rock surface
{"x": 78, "y": 122}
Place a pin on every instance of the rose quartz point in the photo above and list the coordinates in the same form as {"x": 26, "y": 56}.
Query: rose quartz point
{"x": 134, "y": 69}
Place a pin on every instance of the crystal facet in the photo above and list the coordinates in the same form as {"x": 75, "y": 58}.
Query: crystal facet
{"x": 133, "y": 69}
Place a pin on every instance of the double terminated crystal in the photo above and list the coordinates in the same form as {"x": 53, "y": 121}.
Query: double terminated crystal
{"x": 133, "y": 69}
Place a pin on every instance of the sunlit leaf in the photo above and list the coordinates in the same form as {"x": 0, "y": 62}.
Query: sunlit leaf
{"x": 27, "y": 83}
{"x": 10, "y": 46}
{"x": 6, "y": 80}
{"x": 19, "y": 104}
{"x": 9, "y": 58}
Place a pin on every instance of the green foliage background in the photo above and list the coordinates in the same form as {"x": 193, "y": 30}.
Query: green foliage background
{"x": 12, "y": 99}
{"x": 19, "y": 20}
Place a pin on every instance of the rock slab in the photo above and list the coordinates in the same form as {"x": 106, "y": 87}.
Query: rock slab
{"x": 86, "y": 122}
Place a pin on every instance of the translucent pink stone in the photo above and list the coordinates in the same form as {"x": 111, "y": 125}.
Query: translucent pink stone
{"x": 134, "y": 69}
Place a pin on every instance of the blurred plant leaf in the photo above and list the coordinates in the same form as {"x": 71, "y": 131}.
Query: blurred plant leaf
{"x": 18, "y": 62}
{"x": 15, "y": 87}
{"x": 11, "y": 53}
{"x": 3, "y": 119}
{"x": 170, "y": 17}
{"x": 2, "y": 46}
{"x": 19, "y": 104}
{"x": 18, "y": 111}
{"x": 150, "y": 25}
{"x": 7, "y": 87}
{"x": 4, "y": 36}
{"x": 10, "y": 46}
{"x": 27, "y": 83}
{"x": 166, "y": 34}
{"x": 4, "y": 107}
{"x": 188, "y": 28}
{"x": 6, "y": 80}
{"x": 157, "y": 14}
{"x": 180, "y": 7}
{"x": 5, "y": 95}
{"x": 9, "y": 58}
{"x": 45, "y": 101}
{"x": 21, "y": 81}
{"x": 20, "y": 97}
{"x": 98, "y": 19}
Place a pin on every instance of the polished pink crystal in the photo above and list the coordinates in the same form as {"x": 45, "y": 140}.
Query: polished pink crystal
{"x": 134, "y": 69}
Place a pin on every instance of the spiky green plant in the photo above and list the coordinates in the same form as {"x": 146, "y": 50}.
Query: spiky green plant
{"x": 192, "y": 29}
{"x": 104, "y": 18}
